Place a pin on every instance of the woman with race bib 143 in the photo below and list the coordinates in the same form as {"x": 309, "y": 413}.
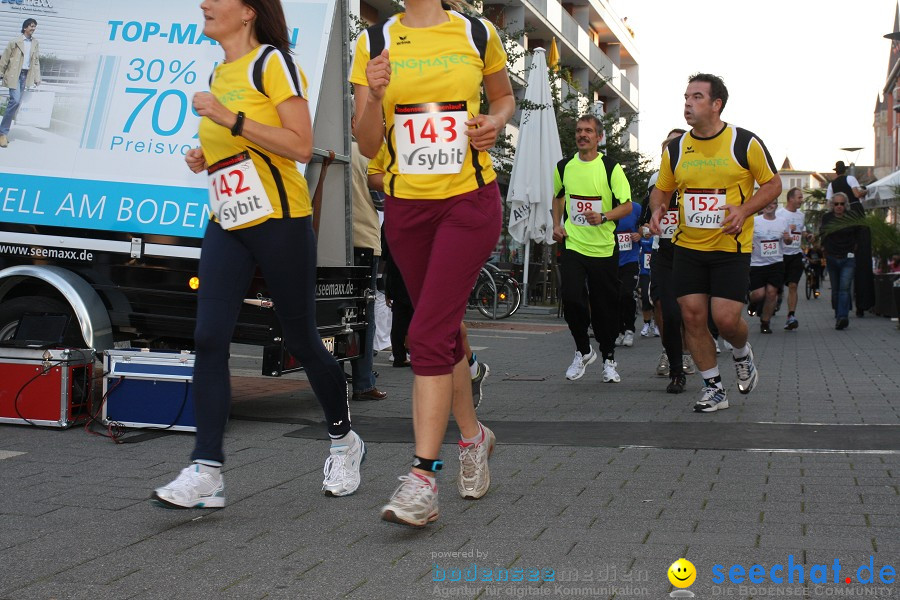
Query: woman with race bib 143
{"x": 417, "y": 80}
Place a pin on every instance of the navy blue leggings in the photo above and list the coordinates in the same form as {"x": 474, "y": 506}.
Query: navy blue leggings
{"x": 285, "y": 250}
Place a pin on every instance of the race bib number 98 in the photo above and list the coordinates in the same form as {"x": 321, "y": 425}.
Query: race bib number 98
{"x": 704, "y": 209}
{"x": 582, "y": 204}
{"x": 431, "y": 137}
{"x": 236, "y": 193}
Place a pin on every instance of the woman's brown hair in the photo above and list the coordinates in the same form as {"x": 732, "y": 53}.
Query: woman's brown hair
{"x": 270, "y": 24}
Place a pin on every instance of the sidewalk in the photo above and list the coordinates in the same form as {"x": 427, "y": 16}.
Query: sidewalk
{"x": 597, "y": 488}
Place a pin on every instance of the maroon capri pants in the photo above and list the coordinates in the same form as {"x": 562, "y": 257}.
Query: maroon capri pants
{"x": 440, "y": 247}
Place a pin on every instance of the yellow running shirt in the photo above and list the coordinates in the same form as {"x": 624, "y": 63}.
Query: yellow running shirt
{"x": 586, "y": 187}
{"x": 710, "y": 174}
{"x": 257, "y": 83}
{"x": 436, "y": 78}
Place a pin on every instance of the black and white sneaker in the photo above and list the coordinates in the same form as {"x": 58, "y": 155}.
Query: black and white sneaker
{"x": 747, "y": 374}
{"x": 478, "y": 383}
{"x": 711, "y": 400}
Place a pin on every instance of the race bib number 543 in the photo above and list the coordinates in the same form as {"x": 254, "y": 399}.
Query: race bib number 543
{"x": 431, "y": 137}
{"x": 705, "y": 208}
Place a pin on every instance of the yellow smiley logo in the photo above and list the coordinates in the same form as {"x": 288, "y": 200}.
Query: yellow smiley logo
{"x": 682, "y": 573}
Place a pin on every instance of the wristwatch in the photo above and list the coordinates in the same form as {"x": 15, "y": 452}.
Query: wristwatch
{"x": 603, "y": 218}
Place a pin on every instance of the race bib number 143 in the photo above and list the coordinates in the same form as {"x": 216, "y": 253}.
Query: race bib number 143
{"x": 431, "y": 137}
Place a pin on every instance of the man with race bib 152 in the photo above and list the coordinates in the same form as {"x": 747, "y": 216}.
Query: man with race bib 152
{"x": 714, "y": 168}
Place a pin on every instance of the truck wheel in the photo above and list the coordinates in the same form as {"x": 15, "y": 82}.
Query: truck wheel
{"x": 12, "y": 310}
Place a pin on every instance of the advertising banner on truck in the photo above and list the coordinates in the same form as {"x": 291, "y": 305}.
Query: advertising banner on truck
{"x": 117, "y": 83}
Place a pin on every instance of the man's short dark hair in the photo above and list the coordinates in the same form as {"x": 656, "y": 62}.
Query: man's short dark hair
{"x": 27, "y": 23}
{"x": 794, "y": 190}
{"x": 717, "y": 89}
{"x": 598, "y": 125}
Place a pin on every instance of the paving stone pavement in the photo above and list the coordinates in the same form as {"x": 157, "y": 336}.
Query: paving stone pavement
{"x": 559, "y": 521}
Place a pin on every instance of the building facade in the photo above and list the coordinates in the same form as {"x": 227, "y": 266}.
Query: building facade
{"x": 593, "y": 42}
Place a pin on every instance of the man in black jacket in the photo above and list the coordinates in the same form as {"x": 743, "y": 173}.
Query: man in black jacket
{"x": 840, "y": 242}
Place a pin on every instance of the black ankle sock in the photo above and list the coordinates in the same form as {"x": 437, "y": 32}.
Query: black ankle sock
{"x": 714, "y": 382}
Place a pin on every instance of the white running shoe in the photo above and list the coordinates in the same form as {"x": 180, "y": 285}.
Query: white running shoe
{"x": 342, "y": 467}
{"x": 687, "y": 364}
{"x": 645, "y": 330}
{"x": 747, "y": 374}
{"x": 474, "y": 473}
{"x": 655, "y": 330}
{"x": 413, "y": 503}
{"x": 620, "y": 339}
{"x": 610, "y": 375}
{"x": 579, "y": 364}
{"x": 628, "y": 340}
{"x": 193, "y": 488}
{"x": 662, "y": 367}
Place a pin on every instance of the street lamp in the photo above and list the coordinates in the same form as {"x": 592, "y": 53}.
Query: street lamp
{"x": 853, "y": 160}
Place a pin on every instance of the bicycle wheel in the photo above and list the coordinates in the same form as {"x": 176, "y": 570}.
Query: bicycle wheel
{"x": 505, "y": 294}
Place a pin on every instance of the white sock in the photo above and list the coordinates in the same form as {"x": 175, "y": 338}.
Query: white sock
{"x": 740, "y": 353}
{"x": 209, "y": 466}
{"x": 710, "y": 373}
{"x": 345, "y": 439}
{"x": 475, "y": 440}
{"x": 473, "y": 368}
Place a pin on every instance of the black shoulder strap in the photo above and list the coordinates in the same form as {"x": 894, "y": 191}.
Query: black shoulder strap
{"x": 561, "y": 169}
{"x": 375, "y": 33}
{"x": 742, "y": 139}
{"x": 479, "y": 34}
{"x": 609, "y": 164}
{"x": 674, "y": 148}
{"x": 258, "y": 70}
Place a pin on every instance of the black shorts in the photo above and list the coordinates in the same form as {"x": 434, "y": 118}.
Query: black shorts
{"x": 793, "y": 268}
{"x": 716, "y": 273}
{"x": 765, "y": 275}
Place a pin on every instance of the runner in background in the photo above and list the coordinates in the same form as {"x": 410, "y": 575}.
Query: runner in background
{"x": 770, "y": 235}
{"x": 795, "y": 219}
{"x": 662, "y": 290}
{"x": 628, "y": 239}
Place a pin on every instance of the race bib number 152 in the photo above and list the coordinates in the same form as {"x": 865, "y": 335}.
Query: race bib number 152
{"x": 704, "y": 209}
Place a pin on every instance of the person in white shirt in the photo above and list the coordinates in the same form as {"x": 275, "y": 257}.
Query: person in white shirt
{"x": 770, "y": 234}
{"x": 794, "y": 219}
{"x": 845, "y": 183}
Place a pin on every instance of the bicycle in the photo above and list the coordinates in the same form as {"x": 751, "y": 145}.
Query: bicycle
{"x": 496, "y": 294}
{"x": 812, "y": 280}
